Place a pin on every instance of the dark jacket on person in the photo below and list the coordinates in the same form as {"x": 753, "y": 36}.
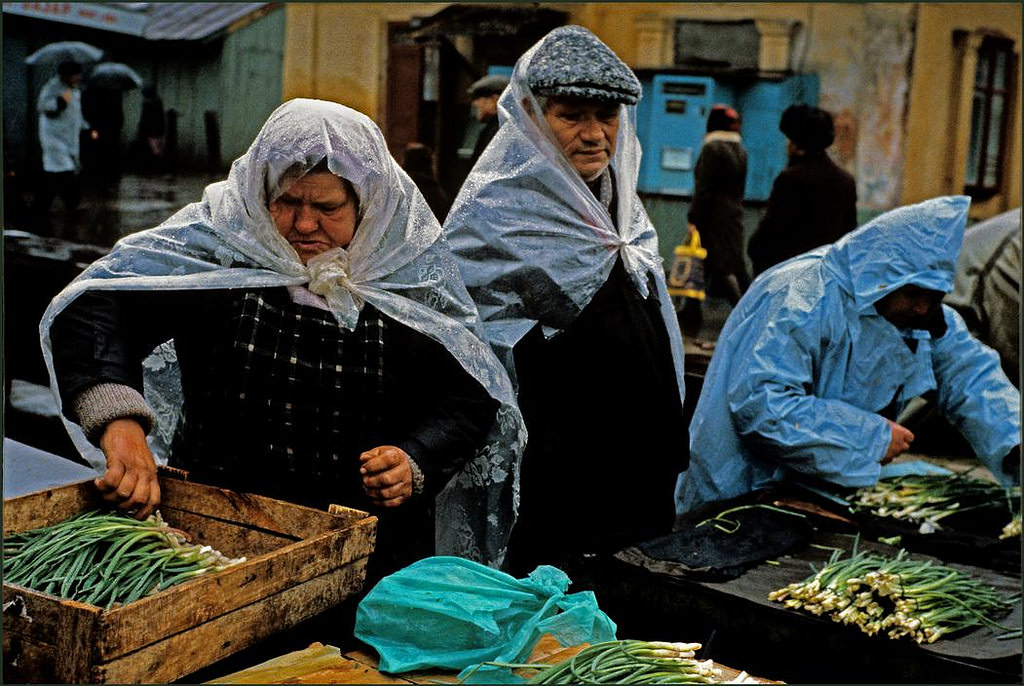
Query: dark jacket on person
{"x": 279, "y": 400}
{"x": 813, "y": 202}
{"x": 576, "y": 471}
{"x": 486, "y": 134}
{"x": 717, "y": 208}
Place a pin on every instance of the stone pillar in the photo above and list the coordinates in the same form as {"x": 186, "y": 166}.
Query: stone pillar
{"x": 653, "y": 41}
{"x": 776, "y": 43}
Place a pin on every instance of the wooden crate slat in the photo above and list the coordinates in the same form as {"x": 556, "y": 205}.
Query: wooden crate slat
{"x": 64, "y": 654}
{"x": 50, "y": 506}
{"x": 34, "y": 614}
{"x": 181, "y": 654}
{"x": 178, "y": 608}
{"x": 253, "y": 510}
{"x": 234, "y": 540}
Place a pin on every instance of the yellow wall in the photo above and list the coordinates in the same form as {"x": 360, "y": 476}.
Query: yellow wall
{"x": 936, "y": 128}
{"x": 338, "y": 51}
{"x": 901, "y": 139}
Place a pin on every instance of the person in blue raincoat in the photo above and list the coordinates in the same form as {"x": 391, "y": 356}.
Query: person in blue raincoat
{"x": 825, "y": 348}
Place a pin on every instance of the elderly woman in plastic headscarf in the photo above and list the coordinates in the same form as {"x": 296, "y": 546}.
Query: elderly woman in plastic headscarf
{"x": 563, "y": 264}
{"x": 324, "y": 340}
{"x": 824, "y": 350}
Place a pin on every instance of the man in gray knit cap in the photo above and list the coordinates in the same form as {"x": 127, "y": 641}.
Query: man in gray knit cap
{"x": 562, "y": 261}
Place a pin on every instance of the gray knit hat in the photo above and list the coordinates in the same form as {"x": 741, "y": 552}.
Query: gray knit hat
{"x": 572, "y": 61}
{"x": 492, "y": 84}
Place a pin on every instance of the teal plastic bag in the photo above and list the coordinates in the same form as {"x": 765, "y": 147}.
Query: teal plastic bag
{"x": 451, "y": 613}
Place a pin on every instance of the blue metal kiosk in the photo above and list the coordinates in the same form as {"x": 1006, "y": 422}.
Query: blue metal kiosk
{"x": 671, "y": 120}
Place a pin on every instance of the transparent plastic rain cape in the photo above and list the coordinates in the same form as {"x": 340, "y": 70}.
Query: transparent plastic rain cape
{"x": 397, "y": 261}
{"x": 532, "y": 241}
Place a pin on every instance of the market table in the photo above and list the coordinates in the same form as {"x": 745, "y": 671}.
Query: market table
{"x": 326, "y": 664}
{"x": 738, "y": 624}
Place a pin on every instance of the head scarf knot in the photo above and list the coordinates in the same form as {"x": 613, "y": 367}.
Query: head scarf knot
{"x": 329, "y": 277}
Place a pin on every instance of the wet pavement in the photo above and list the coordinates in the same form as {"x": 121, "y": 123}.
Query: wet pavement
{"x": 110, "y": 212}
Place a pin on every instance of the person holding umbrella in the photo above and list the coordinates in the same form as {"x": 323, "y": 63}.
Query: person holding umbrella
{"x": 60, "y": 123}
{"x": 103, "y": 108}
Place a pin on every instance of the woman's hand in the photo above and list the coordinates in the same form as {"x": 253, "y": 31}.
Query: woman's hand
{"x": 130, "y": 480}
{"x": 387, "y": 476}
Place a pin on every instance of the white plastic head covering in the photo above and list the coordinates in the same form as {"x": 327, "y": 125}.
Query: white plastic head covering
{"x": 532, "y": 241}
{"x": 397, "y": 261}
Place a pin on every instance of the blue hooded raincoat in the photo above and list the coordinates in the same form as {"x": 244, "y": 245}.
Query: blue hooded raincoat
{"x": 805, "y": 364}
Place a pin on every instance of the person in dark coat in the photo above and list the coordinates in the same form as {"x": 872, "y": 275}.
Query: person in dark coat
{"x": 716, "y": 212}
{"x": 103, "y": 108}
{"x": 151, "y": 137}
{"x": 717, "y": 208}
{"x": 562, "y": 261}
{"x": 484, "y": 95}
{"x": 813, "y": 202}
{"x": 418, "y": 163}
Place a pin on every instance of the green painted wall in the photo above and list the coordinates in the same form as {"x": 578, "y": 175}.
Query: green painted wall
{"x": 189, "y": 85}
{"x": 250, "y": 81}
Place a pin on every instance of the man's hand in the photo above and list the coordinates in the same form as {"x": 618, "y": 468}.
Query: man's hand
{"x": 130, "y": 481}
{"x": 900, "y": 442}
{"x": 387, "y": 476}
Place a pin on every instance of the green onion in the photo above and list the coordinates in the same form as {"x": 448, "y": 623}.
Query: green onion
{"x": 896, "y": 596}
{"x": 929, "y": 498}
{"x": 106, "y": 558}
{"x": 625, "y": 662}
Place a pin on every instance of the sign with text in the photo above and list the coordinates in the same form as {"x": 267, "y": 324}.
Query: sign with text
{"x": 94, "y": 15}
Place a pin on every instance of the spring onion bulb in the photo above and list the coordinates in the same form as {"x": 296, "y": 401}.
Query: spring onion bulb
{"x": 896, "y": 597}
{"x": 929, "y": 498}
{"x": 1012, "y": 530}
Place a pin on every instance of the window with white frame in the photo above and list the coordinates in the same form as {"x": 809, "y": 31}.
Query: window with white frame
{"x": 990, "y": 109}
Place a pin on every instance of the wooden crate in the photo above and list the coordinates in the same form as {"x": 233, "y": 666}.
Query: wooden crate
{"x": 299, "y": 562}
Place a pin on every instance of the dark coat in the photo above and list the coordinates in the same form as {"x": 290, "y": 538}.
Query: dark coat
{"x": 813, "y": 202}
{"x": 606, "y": 430}
{"x": 717, "y": 208}
{"x": 486, "y": 134}
{"x": 285, "y": 409}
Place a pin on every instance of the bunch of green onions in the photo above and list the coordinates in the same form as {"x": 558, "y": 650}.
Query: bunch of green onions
{"x": 896, "y": 596}
{"x": 106, "y": 558}
{"x": 626, "y": 662}
{"x": 928, "y": 498}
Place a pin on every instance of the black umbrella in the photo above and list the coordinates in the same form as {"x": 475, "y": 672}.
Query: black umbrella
{"x": 114, "y": 75}
{"x": 62, "y": 51}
